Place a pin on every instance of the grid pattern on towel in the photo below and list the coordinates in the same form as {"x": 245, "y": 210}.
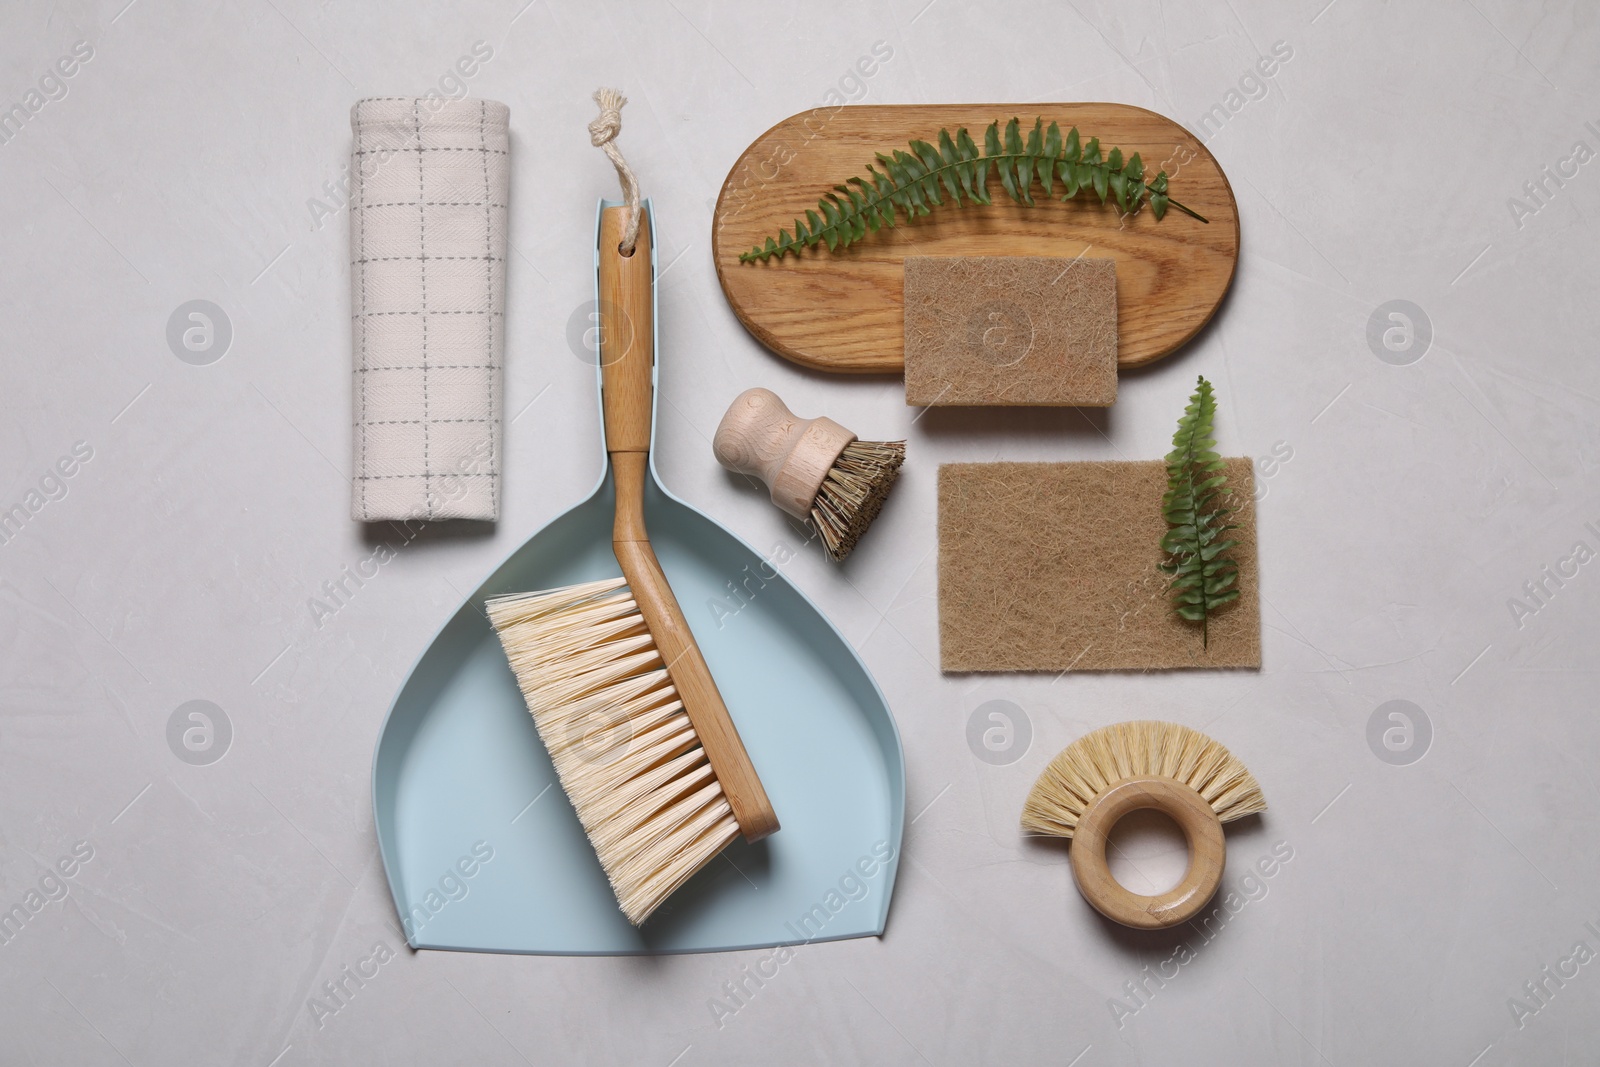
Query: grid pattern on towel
{"x": 428, "y": 193}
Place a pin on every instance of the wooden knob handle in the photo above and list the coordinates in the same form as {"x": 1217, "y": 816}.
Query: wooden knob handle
{"x": 760, "y": 436}
{"x": 1200, "y": 826}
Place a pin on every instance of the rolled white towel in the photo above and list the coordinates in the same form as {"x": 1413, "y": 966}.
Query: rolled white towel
{"x": 429, "y": 187}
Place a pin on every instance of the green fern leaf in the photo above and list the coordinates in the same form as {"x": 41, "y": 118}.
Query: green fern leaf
{"x": 1051, "y": 152}
{"x": 1069, "y": 176}
{"x": 977, "y": 162}
{"x": 956, "y": 170}
{"x": 1072, "y": 150}
{"x": 1006, "y": 157}
{"x": 1026, "y": 158}
{"x": 1195, "y": 506}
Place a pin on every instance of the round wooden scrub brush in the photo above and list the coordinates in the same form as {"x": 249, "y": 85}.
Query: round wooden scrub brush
{"x": 1135, "y": 766}
{"x": 815, "y": 468}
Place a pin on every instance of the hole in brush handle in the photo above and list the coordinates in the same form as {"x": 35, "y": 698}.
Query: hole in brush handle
{"x": 1201, "y": 828}
{"x": 628, "y": 322}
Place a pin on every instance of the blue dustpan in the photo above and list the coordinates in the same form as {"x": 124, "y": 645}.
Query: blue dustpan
{"x": 483, "y": 851}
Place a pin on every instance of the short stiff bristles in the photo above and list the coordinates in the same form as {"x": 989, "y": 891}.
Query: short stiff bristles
{"x": 623, "y": 747}
{"x": 1096, "y": 761}
{"x": 853, "y": 492}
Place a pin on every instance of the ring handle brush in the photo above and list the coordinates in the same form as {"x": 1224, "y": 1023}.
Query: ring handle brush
{"x": 626, "y": 289}
{"x": 1143, "y": 766}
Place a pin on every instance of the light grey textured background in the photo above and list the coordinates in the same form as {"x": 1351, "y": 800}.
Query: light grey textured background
{"x": 181, "y": 563}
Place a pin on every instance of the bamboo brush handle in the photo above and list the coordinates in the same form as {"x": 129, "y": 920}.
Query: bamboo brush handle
{"x": 1200, "y": 825}
{"x": 760, "y": 436}
{"x": 626, "y": 292}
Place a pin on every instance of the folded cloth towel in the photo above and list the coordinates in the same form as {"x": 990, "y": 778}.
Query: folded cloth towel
{"x": 429, "y": 182}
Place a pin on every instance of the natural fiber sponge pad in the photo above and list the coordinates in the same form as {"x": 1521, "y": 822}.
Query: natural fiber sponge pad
{"x": 1011, "y": 330}
{"x": 1053, "y": 567}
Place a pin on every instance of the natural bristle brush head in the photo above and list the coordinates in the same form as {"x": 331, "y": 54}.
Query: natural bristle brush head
{"x": 1134, "y": 766}
{"x": 815, "y": 468}
{"x": 626, "y": 753}
{"x": 1097, "y": 760}
{"x": 853, "y": 493}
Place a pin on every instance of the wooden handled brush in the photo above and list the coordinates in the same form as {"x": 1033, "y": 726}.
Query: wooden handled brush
{"x": 815, "y": 468}
{"x": 1137, "y": 766}
{"x": 619, "y": 691}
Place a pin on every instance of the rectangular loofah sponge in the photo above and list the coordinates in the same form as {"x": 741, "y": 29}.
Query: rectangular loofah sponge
{"x": 1011, "y": 330}
{"x": 1053, "y": 567}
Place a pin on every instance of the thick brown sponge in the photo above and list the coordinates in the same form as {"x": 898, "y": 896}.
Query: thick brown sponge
{"x": 1011, "y": 330}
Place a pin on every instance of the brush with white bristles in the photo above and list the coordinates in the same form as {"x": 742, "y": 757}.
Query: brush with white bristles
{"x": 1133, "y": 766}
{"x": 624, "y": 748}
{"x": 621, "y": 695}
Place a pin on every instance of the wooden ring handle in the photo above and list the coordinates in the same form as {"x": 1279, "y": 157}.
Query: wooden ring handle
{"x": 1200, "y": 826}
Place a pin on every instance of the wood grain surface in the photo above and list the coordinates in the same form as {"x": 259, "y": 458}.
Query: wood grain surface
{"x": 760, "y": 436}
{"x": 1208, "y": 853}
{"x": 627, "y": 295}
{"x": 841, "y": 312}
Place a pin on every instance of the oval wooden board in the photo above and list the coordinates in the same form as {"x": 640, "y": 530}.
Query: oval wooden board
{"x": 841, "y": 312}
